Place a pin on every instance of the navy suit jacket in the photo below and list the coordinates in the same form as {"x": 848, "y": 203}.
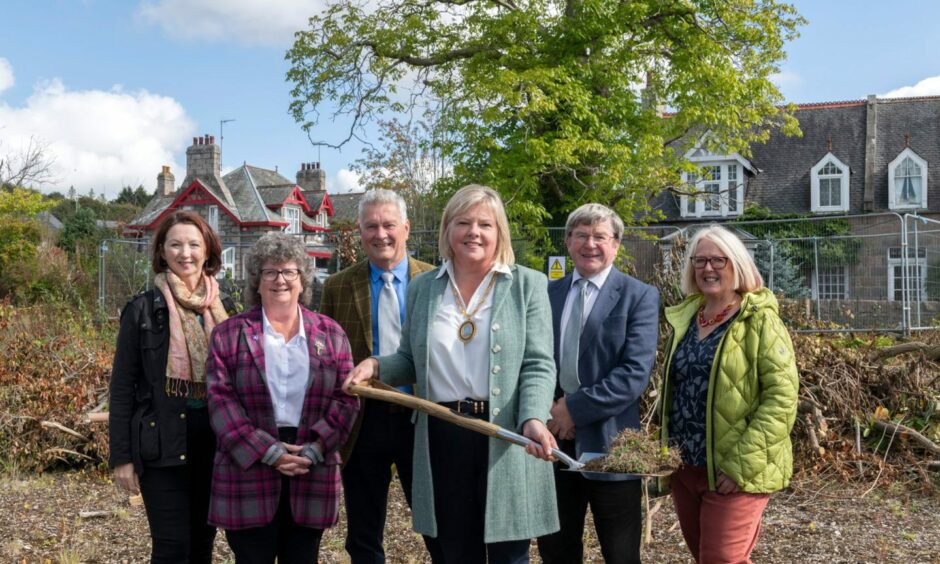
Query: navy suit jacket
{"x": 617, "y": 350}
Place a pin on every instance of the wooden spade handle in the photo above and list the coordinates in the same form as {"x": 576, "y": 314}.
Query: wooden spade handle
{"x": 381, "y": 391}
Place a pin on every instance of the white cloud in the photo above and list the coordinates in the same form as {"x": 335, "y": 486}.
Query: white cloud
{"x": 99, "y": 139}
{"x": 927, "y": 87}
{"x": 786, "y": 79}
{"x": 272, "y": 22}
{"x": 6, "y": 74}
{"x": 344, "y": 181}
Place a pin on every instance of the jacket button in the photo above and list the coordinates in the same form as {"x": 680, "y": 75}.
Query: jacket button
{"x": 495, "y": 411}
{"x": 496, "y": 369}
{"x": 153, "y": 423}
{"x": 497, "y": 348}
{"x": 182, "y": 457}
{"x": 495, "y": 327}
{"x": 182, "y": 416}
{"x": 495, "y": 391}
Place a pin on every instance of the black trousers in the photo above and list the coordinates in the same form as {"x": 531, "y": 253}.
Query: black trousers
{"x": 385, "y": 437}
{"x": 282, "y": 538}
{"x": 176, "y": 499}
{"x": 615, "y": 506}
{"x": 459, "y": 462}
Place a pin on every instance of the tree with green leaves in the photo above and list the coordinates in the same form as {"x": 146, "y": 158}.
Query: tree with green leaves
{"x": 552, "y": 102}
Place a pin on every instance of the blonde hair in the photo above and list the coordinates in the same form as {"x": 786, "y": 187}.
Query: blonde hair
{"x": 461, "y": 202}
{"x": 746, "y": 276}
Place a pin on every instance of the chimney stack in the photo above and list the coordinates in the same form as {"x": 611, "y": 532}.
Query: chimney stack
{"x": 311, "y": 178}
{"x": 203, "y": 158}
{"x": 166, "y": 182}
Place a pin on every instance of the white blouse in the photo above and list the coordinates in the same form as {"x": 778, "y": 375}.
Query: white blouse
{"x": 287, "y": 369}
{"x": 459, "y": 370}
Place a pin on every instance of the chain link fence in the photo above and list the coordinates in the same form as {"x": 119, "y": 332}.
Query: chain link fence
{"x": 884, "y": 275}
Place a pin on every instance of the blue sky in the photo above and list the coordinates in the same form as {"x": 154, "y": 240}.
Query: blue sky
{"x": 118, "y": 88}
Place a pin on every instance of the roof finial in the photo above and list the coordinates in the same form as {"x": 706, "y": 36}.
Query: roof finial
{"x": 907, "y": 140}
{"x": 829, "y": 144}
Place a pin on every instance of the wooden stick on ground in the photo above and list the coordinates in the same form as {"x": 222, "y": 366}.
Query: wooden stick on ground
{"x": 923, "y": 441}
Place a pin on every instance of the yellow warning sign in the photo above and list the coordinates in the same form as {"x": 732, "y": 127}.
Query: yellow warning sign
{"x": 556, "y": 268}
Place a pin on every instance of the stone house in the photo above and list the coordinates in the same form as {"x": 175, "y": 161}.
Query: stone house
{"x": 868, "y": 162}
{"x": 243, "y": 204}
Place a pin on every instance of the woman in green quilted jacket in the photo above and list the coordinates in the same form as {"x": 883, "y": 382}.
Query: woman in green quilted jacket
{"x": 729, "y": 398}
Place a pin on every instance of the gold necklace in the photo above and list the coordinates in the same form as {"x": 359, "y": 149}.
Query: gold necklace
{"x": 468, "y": 328}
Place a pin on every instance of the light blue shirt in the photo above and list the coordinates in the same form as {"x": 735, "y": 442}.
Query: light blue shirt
{"x": 400, "y": 284}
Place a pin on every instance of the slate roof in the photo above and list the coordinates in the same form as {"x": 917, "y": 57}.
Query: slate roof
{"x": 784, "y": 164}
{"x": 783, "y": 183}
{"x": 346, "y": 206}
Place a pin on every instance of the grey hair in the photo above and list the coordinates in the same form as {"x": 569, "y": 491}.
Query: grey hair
{"x": 381, "y": 196}
{"x": 277, "y": 247}
{"x": 592, "y": 214}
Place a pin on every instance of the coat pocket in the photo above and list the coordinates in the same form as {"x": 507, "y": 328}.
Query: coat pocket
{"x": 149, "y": 438}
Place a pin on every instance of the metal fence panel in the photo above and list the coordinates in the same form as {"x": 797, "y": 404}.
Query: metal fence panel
{"x": 884, "y": 276}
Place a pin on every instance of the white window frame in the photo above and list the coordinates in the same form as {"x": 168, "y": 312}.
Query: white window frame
{"x": 844, "y": 177}
{"x": 228, "y": 262}
{"x": 212, "y": 218}
{"x": 844, "y": 295}
{"x": 292, "y": 215}
{"x": 892, "y": 168}
{"x": 919, "y": 263}
{"x": 694, "y": 206}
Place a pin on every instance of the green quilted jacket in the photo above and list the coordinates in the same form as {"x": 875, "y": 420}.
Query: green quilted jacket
{"x": 752, "y": 394}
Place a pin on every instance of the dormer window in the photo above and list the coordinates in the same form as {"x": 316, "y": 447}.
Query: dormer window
{"x": 716, "y": 190}
{"x": 907, "y": 181}
{"x": 292, "y": 215}
{"x": 830, "y": 185}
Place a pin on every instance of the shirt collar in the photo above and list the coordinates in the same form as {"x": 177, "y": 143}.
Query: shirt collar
{"x": 448, "y": 268}
{"x": 400, "y": 271}
{"x": 597, "y": 280}
{"x": 269, "y": 329}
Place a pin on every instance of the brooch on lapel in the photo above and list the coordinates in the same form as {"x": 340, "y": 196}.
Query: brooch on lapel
{"x": 319, "y": 345}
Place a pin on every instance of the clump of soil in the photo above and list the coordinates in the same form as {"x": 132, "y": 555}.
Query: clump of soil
{"x": 634, "y": 451}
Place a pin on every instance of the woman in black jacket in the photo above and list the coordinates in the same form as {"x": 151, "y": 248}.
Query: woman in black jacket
{"x": 161, "y": 441}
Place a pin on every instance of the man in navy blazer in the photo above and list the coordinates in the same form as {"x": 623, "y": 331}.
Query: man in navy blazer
{"x": 603, "y": 369}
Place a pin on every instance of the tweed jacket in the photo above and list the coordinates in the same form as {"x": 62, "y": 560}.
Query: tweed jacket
{"x": 347, "y": 298}
{"x": 520, "y": 495}
{"x": 245, "y": 491}
{"x": 752, "y": 394}
{"x": 615, "y": 357}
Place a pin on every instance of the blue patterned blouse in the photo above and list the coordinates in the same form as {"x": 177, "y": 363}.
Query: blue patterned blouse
{"x": 691, "y": 366}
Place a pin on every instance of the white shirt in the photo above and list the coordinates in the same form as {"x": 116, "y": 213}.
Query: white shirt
{"x": 459, "y": 370}
{"x": 287, "y": 368}
{"x": 593, "y": 289}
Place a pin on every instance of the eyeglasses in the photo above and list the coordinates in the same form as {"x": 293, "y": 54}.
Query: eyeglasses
{"x": 289, "y": 274}
{"x": 717, "y": 262}
{"x": 582, "y": 238}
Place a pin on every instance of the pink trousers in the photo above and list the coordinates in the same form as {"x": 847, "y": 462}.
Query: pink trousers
{"x": 717, "y": 528}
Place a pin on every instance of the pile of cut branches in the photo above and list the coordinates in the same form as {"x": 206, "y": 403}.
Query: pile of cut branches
{"x": 55, "y": 369}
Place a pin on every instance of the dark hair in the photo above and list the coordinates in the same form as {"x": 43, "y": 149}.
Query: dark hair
{"x": 213, "y": 245}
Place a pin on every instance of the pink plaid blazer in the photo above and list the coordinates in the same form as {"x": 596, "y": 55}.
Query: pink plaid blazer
{"x": 245, "y": 492}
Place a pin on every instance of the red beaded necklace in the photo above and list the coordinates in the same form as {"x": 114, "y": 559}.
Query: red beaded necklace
{"x": 719, "y": 317}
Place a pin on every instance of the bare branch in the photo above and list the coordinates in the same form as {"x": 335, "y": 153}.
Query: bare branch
{"x": 32, "y": 165}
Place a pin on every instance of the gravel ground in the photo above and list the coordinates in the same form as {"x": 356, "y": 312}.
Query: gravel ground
{"x": 40, "y": 522}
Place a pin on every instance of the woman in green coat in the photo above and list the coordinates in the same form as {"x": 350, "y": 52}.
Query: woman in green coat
{"x": 478, "y": 339}
{"x": 729, "y": 398}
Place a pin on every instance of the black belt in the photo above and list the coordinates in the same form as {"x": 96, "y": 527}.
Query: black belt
{"x": 477, "y": 408}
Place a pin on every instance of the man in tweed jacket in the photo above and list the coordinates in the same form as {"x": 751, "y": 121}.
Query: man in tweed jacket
{"x": 384, "y": 433}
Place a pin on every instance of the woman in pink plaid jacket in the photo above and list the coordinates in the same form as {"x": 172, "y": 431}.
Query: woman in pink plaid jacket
{"x": 275, "y": 375}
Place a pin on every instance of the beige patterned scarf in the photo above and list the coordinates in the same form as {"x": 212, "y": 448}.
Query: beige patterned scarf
{"x": 189, "y": 341}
